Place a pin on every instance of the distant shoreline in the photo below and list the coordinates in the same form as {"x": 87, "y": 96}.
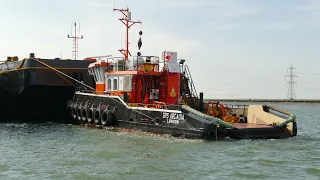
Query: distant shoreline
{"x": 267, "y": 100}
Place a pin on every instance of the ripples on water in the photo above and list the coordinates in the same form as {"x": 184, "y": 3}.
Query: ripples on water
{"x": 51, "y": 151}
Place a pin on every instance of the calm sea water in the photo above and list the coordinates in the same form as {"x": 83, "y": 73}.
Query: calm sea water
{"x": 52, "y": 151}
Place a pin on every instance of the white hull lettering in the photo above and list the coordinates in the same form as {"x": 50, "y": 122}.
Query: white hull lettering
{"x": 170, "y": 121}
{"x": 173, "y": 118}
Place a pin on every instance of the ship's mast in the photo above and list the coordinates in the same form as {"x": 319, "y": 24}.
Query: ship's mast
{"x": 126, "y": 20}
{"x": 75, "y": 38}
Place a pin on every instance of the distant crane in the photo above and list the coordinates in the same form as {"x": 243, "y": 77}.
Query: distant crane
{"x": 75, "y": 40}
{"x": 291, "y": 83}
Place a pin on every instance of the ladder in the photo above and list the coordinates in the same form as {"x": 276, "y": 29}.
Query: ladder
{"x": 187, "y": 88}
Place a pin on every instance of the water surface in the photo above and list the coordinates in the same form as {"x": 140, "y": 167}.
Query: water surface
{"x": 53, "y": 151}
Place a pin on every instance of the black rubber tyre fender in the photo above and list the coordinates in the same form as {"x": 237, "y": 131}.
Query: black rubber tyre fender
{"x": 74, "y": 110}
{"x": 104, "y": 117}
{"x": 97, "y": 115}
{"x": 79, "y": 111}
{"x": 90, "y": 114}
{"x": 107, "y": 118}
{"x": 84, "y": 111}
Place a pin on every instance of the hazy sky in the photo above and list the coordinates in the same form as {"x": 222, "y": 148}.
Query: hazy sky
{"x": 234, "y": 48}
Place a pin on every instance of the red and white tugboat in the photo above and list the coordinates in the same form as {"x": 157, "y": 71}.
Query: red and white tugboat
{"x": 157, "y": 94}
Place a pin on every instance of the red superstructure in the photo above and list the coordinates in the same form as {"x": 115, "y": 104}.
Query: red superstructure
{"x": 139, "y": 79}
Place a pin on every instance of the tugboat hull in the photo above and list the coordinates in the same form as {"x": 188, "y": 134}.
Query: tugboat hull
{"x": 106, "y": 110}
{"x": 267, "y": 132}
{"x": 177, "y": 120}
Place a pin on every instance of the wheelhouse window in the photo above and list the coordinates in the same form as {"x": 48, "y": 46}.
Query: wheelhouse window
{"x": 115, "y": 84}
{"x": 127, "y": 83}
{"x": 109, "y": 84}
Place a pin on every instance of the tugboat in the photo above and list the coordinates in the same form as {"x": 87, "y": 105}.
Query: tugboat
{"x": 157, "y": 95}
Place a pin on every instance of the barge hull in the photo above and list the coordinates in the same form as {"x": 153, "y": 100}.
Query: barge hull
{"x": 38, "y": 93}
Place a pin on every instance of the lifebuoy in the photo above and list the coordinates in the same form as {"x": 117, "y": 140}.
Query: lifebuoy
{"x": 90, "y": 114}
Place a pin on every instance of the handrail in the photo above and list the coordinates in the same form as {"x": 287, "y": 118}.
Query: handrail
{"x": 159, "y": 104}
{"x": 240, "y": 106}
{"x": 154, "y": 105}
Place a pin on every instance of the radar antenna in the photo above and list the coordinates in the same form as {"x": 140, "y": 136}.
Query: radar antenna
{"x": 126, "y": 20}
{"x": 75, "y": 40}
